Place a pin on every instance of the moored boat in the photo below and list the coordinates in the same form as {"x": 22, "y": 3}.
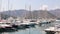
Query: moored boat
{"x": 53, "y": 30}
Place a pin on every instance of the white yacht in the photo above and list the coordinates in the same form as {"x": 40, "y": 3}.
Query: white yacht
{"x": 53, "y": 30}
{"x": 4, "y": 25}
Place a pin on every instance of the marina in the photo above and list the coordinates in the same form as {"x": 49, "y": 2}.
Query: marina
{"x": 29, "y": 17}
{"x": 28, "y": 28}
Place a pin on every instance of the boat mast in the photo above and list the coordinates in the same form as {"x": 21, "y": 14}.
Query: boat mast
{"x": 0, "y": 4}
{"x": 25, "y": 11}
{"x": 11, "y": 8}
{"x": 8, "y": 7}
{"x": 14, "y": 9}
{"x": 46, "y": 13}
{"x": 0, "y": 7}
{"x": 30, "y": 12}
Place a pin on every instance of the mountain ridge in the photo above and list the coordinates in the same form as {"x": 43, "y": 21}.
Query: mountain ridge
{"x": 40, "y": 13}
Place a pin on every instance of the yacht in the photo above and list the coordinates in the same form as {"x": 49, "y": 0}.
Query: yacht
{"x": 53, "y": 30}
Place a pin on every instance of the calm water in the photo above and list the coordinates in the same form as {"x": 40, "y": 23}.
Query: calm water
{"x": 36, "y": 30}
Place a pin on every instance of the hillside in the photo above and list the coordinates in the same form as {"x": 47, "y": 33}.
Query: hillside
{"x": 34, "y": 14}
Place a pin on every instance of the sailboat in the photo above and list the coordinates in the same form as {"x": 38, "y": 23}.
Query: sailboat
{"x": 3, "y": 24}
{"x": 28, "y": 22}
{"x": 32, "y": 21}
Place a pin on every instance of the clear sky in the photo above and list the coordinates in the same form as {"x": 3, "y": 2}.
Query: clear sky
{"x": 35, "y": 4}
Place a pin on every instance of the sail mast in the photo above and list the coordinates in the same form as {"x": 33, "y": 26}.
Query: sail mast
{"x": 8, "y": 8}
{"x": 30, "y": 11}
{"x": 0, "y": 8}
{"x": 8, "y": 5}
{"x": 11, "y": 8}
{"x": 0, "y": 4}
{"x": 25, "y": 11}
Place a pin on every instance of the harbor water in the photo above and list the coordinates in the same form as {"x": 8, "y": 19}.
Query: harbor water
{"x": 32, "y": 30}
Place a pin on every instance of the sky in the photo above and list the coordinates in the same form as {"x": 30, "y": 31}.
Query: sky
{"x": 35, "y": 4}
